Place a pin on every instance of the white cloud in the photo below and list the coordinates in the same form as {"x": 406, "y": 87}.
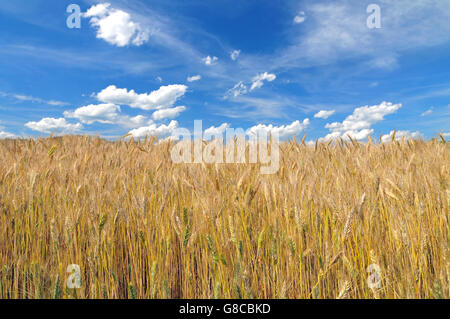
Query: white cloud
{"x": 168, "y": 113}
{"x": 358, "y": 125}
{"x": 384, "y": 62}
{"x": 132, "y": 122}
{"x": 38, "y": 100}
{"x": 339, "y": 31}
{"x": 238, "y": 89}
{"x": 300, "y": 18}
{"x": 446, "y": 134}
{"x": 28, "y": 98}
{"x": 116, "y": 26}
{"x": 210, "y": 60}
{"x": 283, "y": 131}
{"x": 106, "y": 114}
{"x": 324, "y": 114}
{"x": 52, "y": 125}
{"x": 401, "y": 134}
{"x": 161, "y": 131}
{"x": 102, "y": 113}
{"x": 4, "y": 135}
{"x": 258, "y": 81}
{"x": 235, "y": 54}
{"x": 428, "y": 112}
{"x": 164, "y": 97}
{"x": 268, "y": 107}
{"x": 194, "y": 78}
{"x": 99, "y": 10}
{"x": 216, "y": 131}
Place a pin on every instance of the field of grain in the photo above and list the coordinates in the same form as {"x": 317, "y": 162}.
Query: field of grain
{"x": 140, "y": 226}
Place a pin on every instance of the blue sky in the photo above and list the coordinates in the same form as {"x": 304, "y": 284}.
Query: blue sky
{"x": 299, "y": 67}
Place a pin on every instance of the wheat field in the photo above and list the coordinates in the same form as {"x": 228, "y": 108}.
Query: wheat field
{"x": 140, "y": 226}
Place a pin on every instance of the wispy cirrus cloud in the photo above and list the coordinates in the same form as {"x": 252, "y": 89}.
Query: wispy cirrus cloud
{"x": 33, "y": 99}
{"x": 270, "y": 106}
{"x": 338, "y": 30}
{"x": 427, "y": 112}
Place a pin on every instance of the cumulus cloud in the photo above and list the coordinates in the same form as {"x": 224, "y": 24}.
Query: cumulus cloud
{"x": 194, "y": 78}
{"x": 133, "y": 122}
{"x": 99, "y": 10}
{"x": 164, "y": 97}
{"x": 210, "y": 60}
{"x": 52, "y": 125}
{"x": 300, "y": 17}
{"x": 258, "y": 81}
{"x": 358, "y": 125}
{"x": 161, "y": 131}
{"x": 102, "y": 113}
{"x": 401, "y": 134}
{"x": 235, "y": 54}
{"x": 106, "y": 114}
{"x": 324, "y": 114}
{"x": 168, "y": 113}
{"x": 284, "y": 131}
{"x": 4, "y": 135}
{"x": 109, "y": 112}
{"x": 213, "y": 131}
{"x": 116, "y": 26}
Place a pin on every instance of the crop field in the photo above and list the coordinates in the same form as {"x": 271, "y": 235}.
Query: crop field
{"x": 338, "y": 220}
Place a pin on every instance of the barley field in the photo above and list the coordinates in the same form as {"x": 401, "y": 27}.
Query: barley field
{"x": 139, "y": 226}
